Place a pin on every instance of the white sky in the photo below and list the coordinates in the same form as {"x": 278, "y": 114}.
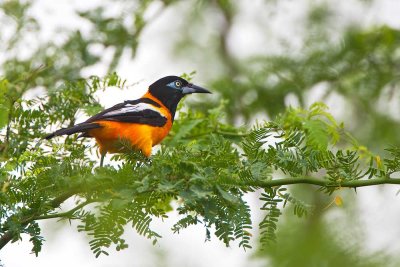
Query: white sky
{"x": 64, "y": 246}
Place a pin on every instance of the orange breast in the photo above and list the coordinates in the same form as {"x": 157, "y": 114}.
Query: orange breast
{"x": 114, "y": 136}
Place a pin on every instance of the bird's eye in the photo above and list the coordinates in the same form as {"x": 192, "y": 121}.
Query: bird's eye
{"x": 178, "y": 84}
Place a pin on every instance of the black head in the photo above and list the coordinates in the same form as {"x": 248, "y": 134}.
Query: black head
{"x": 170, "y": 90}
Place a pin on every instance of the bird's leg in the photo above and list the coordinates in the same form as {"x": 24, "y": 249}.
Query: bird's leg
{"x": 102, "y": 159}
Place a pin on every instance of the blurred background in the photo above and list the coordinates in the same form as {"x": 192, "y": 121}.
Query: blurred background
{"x": 262, "y": 56}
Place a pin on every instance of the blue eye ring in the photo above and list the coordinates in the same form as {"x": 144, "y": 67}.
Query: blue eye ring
{"x": 178, "y": 84}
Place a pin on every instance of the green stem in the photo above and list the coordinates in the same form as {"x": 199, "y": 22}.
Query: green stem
{"x": 8, "y": 129}
{"x": 9, "y": 234}
{"x": 322, "y": 182}
{"x": 232, "y": 134}
{"x": 228, "y": 134}
{"x": 66, "y": 214}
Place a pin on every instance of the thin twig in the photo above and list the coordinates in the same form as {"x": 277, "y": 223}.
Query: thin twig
{"x": 67, "y": 213}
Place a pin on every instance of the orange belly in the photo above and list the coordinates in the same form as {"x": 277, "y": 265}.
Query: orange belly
{"x": 119, "y": 137}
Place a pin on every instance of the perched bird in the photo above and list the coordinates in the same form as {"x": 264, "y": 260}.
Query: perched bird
{"x": 143, "y": 122}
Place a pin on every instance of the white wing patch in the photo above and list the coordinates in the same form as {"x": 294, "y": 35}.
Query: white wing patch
{"x": 129, "y": 108}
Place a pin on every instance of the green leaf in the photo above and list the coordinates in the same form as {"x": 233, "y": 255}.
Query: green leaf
{"x": 185, "y": 129}
{"x": 317, "y": 137}
{"x": 4, "y": 103}
{"x": 227, "y": 196}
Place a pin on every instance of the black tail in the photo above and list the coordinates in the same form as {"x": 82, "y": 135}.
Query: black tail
{"x": 79, "y": 128}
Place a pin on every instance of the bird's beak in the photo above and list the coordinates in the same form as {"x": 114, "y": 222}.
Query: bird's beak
{"x": 191, "y": 88}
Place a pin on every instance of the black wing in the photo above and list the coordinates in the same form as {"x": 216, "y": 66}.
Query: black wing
{"x": 79, "y": 128}
{"x": 143, "y": 111}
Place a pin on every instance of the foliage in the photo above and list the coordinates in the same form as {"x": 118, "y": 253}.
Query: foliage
{"x": 209, "y": 164}
{"x": 205, "y": 165}
{"x": 355, "y": 66}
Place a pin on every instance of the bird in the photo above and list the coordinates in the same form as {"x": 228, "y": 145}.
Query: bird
{"x": 143, "y": 122}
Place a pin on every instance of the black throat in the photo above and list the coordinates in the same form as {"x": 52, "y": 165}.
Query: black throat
{"x": 168, "y": 98}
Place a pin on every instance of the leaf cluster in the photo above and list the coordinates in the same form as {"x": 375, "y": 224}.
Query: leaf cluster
{"x": 205, "y": 168}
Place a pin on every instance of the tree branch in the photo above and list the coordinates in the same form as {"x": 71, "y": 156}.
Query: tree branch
{"x": 9, "y": 235}
{"x": 322, "y": 182}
